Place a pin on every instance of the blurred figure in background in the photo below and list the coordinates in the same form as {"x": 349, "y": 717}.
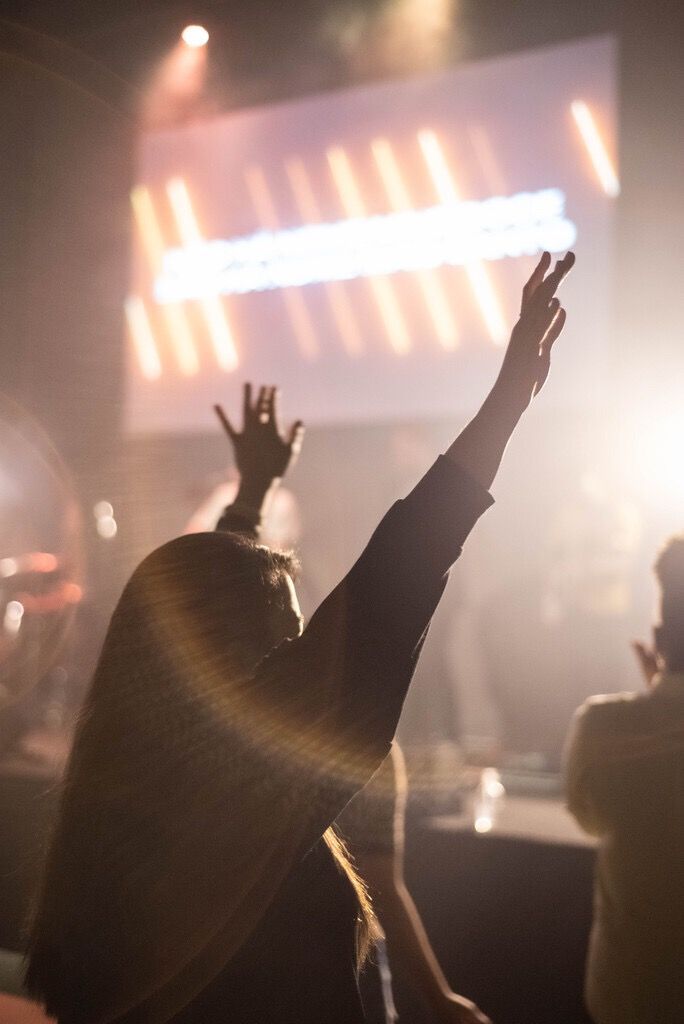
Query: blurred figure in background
{"x": 625, "y": 784}
{"x": 373, "y": 824}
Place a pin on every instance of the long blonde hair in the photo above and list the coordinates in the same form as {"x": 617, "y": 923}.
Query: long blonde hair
{"x": 366, "y": 922}
{"x": 171, "y": 842}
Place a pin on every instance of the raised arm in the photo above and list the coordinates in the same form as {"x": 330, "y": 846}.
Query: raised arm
{"x": 480, "y": 447}
{"x": 264, "y": 764}
{"x": 356, "y": 657}
{"x": 263, "y": 456}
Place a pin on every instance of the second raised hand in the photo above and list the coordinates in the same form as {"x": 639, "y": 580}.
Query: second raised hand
{"x": 262, "y": 453}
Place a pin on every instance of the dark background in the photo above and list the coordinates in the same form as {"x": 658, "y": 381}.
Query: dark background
{"x": 72, "y": 77}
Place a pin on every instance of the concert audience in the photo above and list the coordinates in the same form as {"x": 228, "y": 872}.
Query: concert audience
{"x": 194, "y": 875}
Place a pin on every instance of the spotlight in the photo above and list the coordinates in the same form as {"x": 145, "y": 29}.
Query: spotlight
{"x": 195, "y": 36}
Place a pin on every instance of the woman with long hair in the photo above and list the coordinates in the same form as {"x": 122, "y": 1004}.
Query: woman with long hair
{"x": 193, "y": 876}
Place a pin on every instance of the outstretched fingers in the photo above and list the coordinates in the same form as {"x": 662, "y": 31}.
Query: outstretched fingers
{"x": 225, "y": 422}
{"x": 556, "y": 326}
{"x": 263, "y": 404}
{"x": 274, "y": 409}
{"x": 296, "y": 437}
{"x": 535, "y": 279}
{"x": 548, "y": 287}
{"x": 247, "y": 409}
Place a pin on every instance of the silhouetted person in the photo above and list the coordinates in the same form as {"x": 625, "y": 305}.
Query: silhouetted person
{"x": 373, "y": 824}
{"x": 193, "y": 876}
{"x": 625, "y": 784}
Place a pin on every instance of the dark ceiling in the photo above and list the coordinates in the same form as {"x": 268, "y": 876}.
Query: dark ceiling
{"x": 263, "y": 49}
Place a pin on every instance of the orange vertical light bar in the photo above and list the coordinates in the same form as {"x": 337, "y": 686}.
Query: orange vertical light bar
{"x": 143, "y": 338}
{"x": 150, "y": 232}
{"x": 596, "y": 148}
{"x": 212, "y": 308}
{"x": 383, "y": 292}
{"x": 294, "y": 300}
{"x": 399, "y": 199}
{"x": 446, "y": 189}
{"x": 310, "y": 213}
{"x": 174, "y": 315}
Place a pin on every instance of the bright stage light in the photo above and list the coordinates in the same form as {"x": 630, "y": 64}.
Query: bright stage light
{"x": 195, "y": 36}
{"x": 656, "y": 455}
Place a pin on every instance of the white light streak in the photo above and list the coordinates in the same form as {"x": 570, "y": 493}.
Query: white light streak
{"x": 212, "y": 309}
{"x": 143, "y": 338}
{"x": 266, "y": 211}
{"x": 310, "y": 213}
{"x": 596, "y": 148}
{"x": 483, "y": 289}
{"x": 453, "y": 234}
{"x": 153, "y": 244}
{"x": 433, "y": 294}
{"x": 383, "y": 293}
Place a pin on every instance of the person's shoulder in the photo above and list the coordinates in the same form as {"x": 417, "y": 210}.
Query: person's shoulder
{"x": 610, "y": 710}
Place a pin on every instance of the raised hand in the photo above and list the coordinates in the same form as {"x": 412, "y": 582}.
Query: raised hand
{"x": 648, "y": 661}
{"x": 480, "y": 446}
{"x": 262, "y": 454}
{"x": 542, "y": 318}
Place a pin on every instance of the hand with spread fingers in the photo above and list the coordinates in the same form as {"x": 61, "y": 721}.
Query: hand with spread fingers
{"x": 542, "y": 318}
{"x": 480, "y": 446}
{"x": 262, "y": 454}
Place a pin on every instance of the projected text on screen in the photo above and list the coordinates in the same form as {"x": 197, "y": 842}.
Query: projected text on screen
{"x": 365, "y": 249}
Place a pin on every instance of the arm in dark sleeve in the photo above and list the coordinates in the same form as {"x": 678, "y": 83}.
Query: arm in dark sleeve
{"x": 241, "y": 518}
{"x": 337, "y": 690}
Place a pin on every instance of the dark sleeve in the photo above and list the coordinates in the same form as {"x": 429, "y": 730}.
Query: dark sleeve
{"x": 237, "y": 518}
{"x": 338, "y": 690}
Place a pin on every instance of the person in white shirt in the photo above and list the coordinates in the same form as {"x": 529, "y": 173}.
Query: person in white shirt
{"x": 625, "y": 785}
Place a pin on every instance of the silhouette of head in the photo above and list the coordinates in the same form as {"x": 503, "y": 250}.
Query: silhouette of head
{"x": 669, "y": 635}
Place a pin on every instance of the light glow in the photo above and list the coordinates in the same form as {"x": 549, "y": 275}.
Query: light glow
{"x": 143, "y": 338}
{"x": 294, "y": 301}
{"x": 433, "y": 293}
{"x": 656, "y": 443}
{"x": 14, "y": 613}
{"x": 195, "y": 36}
{"x": 106, "y": 527}
{"x": 310, "y": 213}
{"x": 447, "y": 191}
{"x": 102, "y": 508}
{"x": 454, "y": 234}
{"x": 385, "y": 299}
{"x": 212, "y": 308}
{"x": 153, "y": 245}
{"x": 596, "y": 148}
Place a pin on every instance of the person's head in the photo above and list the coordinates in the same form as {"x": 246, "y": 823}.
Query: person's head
{"x": 169, "y": 719}
{"x": 220, "y": 595}
{"x": 669, "y": 634}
